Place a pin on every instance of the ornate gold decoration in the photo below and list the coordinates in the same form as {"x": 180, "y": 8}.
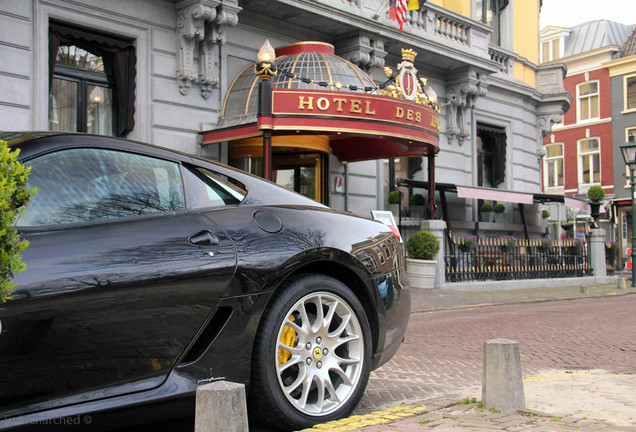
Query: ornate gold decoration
{"x": 396, "y": 88}
{"x": 265, "y": 68}
{"x": 265, "y": 71}
{"x": 408, "y": 55}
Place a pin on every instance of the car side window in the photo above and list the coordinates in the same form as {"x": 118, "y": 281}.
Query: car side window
{"x": 207, "y": 189}
{"x": 85, "y": 185}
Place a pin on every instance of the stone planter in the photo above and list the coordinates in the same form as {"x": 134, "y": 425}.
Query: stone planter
{"x": 421, "y": 273}
{"x": 487, "y": 216}
{"x": 395, "y": 209}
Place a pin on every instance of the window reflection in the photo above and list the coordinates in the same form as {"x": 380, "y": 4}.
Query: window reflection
{"x": 84, "y": 185}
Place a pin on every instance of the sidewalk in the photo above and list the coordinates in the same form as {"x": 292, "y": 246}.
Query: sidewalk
{"x": 436, "y": 300}
{"x": 610, "y": 399}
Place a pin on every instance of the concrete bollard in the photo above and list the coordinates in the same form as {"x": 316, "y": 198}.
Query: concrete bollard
{"x": 502, "y": 386}
{"x": 221, "y": 407}
{"x": 620, "y": 283}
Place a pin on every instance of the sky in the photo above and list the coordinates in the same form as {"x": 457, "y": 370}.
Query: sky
{"x": 568, "y": 13}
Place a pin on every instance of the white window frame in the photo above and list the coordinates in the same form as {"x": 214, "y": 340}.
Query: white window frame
{"x": 551, "y": 49}
{"x": 583, "y": 187}
{"x": 549, "y": 162}
{"x": 579, "y": 98}
{"x": 625, "y": 107}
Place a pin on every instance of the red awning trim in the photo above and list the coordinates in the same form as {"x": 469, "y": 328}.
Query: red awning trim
{"x": 231, "y": 133}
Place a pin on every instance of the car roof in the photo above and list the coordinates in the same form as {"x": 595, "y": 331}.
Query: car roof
{"x": 260, "y": 191}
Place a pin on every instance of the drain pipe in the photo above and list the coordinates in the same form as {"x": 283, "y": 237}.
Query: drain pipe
{"x": 346, "y": 185}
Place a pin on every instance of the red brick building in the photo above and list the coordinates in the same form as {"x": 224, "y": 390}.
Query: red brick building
{"x": 579, "y": 150}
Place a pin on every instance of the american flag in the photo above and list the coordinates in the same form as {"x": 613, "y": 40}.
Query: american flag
{"x": 400, "y": 7}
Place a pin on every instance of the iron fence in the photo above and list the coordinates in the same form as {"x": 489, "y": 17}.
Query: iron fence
{"x": 480, "y": 259}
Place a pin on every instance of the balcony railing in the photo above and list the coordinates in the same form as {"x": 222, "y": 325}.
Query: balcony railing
{"x": 430, "y": 22}
{"x": 503, "y": 57}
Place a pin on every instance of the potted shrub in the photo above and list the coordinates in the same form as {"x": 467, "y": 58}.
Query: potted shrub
{"x": 417, "y": 204}
{"x": 567, "y": 225}
{"x": 394, "y": 202}
{"x": 486, "y": 212}
{"x": 596, "y": 194}
{"x": 498, "y": 208}
{"x": 421, "y": 250}
{"x": 545, "y": 213}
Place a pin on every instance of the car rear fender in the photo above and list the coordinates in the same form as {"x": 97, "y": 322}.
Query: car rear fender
{"x": 345, "y": 268}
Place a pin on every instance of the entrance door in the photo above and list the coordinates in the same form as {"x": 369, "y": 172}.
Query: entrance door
{"x": 300, "y": 173}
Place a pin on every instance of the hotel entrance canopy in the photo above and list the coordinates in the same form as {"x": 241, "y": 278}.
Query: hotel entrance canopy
{"x": 318, "y": 93}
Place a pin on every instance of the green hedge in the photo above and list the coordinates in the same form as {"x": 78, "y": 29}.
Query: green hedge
{"x": 14, "y": 195}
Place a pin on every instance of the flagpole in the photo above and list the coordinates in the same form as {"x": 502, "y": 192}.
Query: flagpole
{"x": 384, "y": 6}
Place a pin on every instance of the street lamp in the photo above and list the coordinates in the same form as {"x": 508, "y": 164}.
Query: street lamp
{"x": 265, "y": 70}
{"x": 629, "y": 154}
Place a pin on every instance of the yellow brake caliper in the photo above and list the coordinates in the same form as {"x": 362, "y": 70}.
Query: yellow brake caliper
{"x": 288, "y": 337}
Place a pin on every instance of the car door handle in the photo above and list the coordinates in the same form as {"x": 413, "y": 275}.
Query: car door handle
{"x": 204, "y": 238}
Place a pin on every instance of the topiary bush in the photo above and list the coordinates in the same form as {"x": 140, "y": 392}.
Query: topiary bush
{"x": 545, "y": 213}
{"x": 499, "y": 208}
{"x": 394, "y": 197}
{"x": 417, "y": 199}
{"x": 486, "y": 207}
{"x": 596, "y": 193}
{"x": 422, "y": 245}
{"x": 14, "y": 195}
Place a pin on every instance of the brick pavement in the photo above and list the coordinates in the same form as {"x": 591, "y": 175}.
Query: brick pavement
{"x": 443, "y": 350}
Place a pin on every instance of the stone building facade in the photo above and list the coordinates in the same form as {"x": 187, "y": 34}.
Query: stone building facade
{"x": 168, "y": 65}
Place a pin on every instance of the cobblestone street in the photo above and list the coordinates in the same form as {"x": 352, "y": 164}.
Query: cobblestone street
{"x": 562, "y": 332}
{"x": 443, "y": 350}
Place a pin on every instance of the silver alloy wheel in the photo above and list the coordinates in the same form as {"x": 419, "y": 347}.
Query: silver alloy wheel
{"x": 320, "y": 353}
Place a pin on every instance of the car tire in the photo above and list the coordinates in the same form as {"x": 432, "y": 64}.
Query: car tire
{"x": 309, "y": 367}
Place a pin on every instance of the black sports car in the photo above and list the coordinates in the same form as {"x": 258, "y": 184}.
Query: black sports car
{"x": 151, "y": 272}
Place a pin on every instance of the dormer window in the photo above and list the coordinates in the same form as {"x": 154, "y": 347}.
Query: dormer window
{"x": 551, "y": 50}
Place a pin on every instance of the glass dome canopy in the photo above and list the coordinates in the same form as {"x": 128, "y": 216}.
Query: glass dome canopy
{"x": 303, "y": 65}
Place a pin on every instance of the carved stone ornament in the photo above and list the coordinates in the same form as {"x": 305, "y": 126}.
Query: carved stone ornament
{"x": 462, "y": 97}
{"x": 545, "y": 123}
{"x": 364, "y": 51}
{"x": 200, "y": 28}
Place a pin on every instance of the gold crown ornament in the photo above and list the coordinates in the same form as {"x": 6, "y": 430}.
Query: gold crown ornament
{"x": 408, "y": 55}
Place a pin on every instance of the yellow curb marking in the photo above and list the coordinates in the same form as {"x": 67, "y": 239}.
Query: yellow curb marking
{"x": 560, "y": 375}
{"x": 372, "y": 419}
